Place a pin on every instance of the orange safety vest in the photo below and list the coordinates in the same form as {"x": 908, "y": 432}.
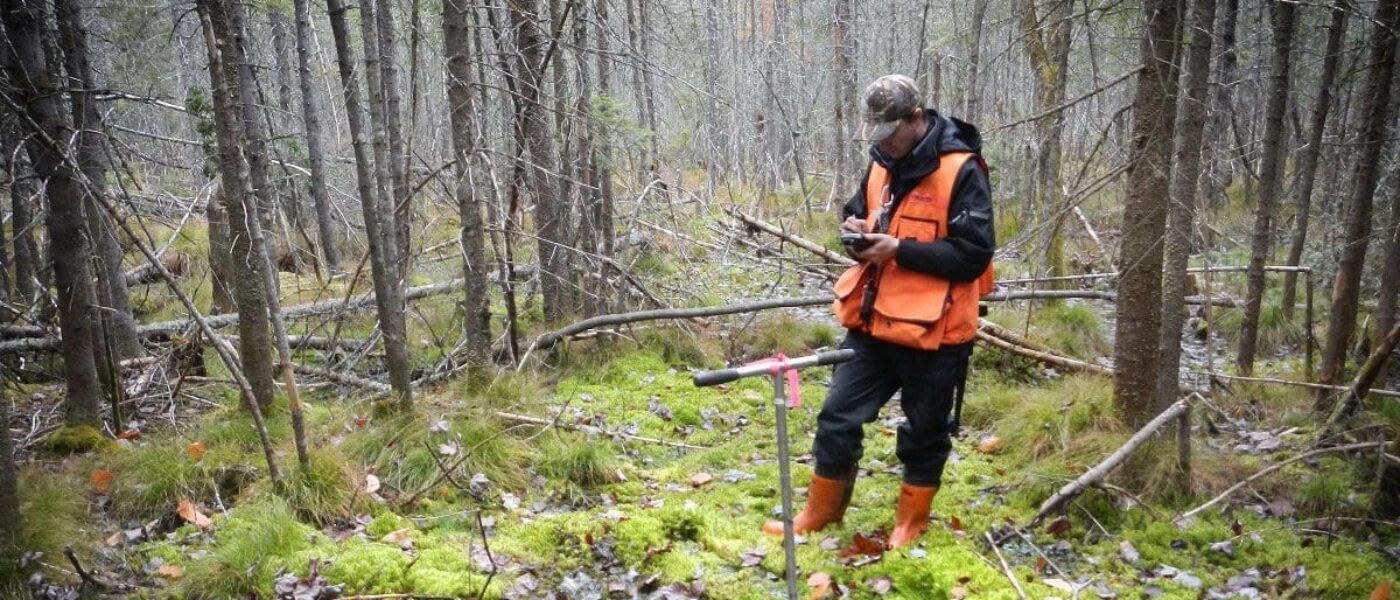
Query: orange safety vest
{"x": 912, "y": 309}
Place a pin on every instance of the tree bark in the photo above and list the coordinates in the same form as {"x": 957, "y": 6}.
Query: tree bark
{"x": 1190, "y": 130}
{"x": 25, "y": 258}
{"x": 844, "y": 95}
{"x": 111, "y": 277}
{"x": 10, "y": 525}
{"x": 1144, "y": 218}
{"x": 388, "y": 293}
{"x": 551, "y": 210}
{"x": 37, "y": 91}
{"x": 248, "y": 260}
{"x": 456, "y": 17}
{"x": 1375, "y": 115}
{"x": 221, "y": 277}
{"x": 393, "y": 127}
{"x": 1307, "y": 162}
{"x": 1271, "y": 176}
{"x": 1047, "y": 43}
{"x": 311, "y": 123}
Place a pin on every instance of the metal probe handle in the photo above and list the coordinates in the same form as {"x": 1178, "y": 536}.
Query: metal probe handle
{"x": 708, "y": 378}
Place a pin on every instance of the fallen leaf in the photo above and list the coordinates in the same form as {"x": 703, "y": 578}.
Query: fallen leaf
{"x": 170, "y": 571}
{"x": 1237, "y": 527}
{"x": 447, "y": 449}
{"x": 862, "y": 546}
{"x": 955, "y": 523}
{"x": 1382, "y": 591}
{"x": 1059, "y": 584}
{"x": 701, "y": 479}
{"x": 1040, "y": 564}
{"x": 130, "y": 435}
{"x": 753, "y": 558}
{"x": 990, "y": 444}
{"x": 398, "y": 537}
{"x": 881, "y": 585}
{"x": 190, "y": 513}
{"x": 1128, "y": 552}
{"x": 371, "y": 484}
{"x": 1058, "y": 526}
{"x": 195, "y": 450}
{"x": 821, "y": 585}
{"x": 100, "y": 480}
{"x": 957, "y": 593}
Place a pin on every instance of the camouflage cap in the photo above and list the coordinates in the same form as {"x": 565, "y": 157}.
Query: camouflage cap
{"x": 888, "y": 100}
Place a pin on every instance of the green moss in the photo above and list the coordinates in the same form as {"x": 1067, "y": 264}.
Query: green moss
{"x": 386, "y": 523}
{"x": 73, "y": 439}
{"x": 368, "y": 568}
{"x": 445, "y": 571}
{"x": 260, "y": 536}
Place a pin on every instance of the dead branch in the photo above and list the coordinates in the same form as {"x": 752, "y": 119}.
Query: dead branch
{"x": 791, "y": 238}
{"x": 1005, "y": 568}
{"x": 548, "y": 340}
{"x": 1061, "y": 362}
{"x": 1270, "y": 469}
{"x": 1366, "y": 376}
{"x": 1302, "y": 384}
{"x": 1101, "y": 470}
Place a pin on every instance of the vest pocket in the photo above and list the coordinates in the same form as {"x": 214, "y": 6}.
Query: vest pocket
{"x": 846, "y": 307}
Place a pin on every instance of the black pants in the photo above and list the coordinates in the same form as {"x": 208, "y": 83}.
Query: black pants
{"x": 862, "y": 385}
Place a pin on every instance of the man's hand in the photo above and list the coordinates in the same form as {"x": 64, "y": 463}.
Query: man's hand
{"x": 882, "y": 247}
{"x": 853, "y": 225}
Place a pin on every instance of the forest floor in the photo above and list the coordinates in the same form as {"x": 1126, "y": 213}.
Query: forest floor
{"x": 605, "y": 473}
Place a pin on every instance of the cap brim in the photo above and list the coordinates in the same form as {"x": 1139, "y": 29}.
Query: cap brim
{"x": 874, "y": 132}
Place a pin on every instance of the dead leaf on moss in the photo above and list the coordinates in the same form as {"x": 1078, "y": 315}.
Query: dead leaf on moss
{"x": 1382, "y": 591}
{"x": 1058, "y": 526}
{"x": 821, "y": 585}
{"x": 191, "y": 514}
{"x": 195, "y": 450}
{"x": 701, "y": 479}
{"x": 100, "y": 481}
{"x": 990, "y": 444}
{"x": 171, "y": 572}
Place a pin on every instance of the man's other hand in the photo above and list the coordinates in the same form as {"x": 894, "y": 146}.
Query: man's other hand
{"x": 882, "y": 247}
{"x": 853, "y": 225}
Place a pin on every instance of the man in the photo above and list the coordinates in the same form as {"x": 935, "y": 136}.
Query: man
{"x": 922, "y": 225}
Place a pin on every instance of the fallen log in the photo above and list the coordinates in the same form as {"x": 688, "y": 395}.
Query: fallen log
{"x": 1301, "y": 384}
{"x": 1101, "y": 470}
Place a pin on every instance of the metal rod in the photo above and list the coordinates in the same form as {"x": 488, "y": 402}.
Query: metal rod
{"x": 785, "y": 482}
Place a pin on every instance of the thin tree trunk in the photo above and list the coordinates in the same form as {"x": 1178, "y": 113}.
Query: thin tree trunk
{"x": 844, "y": 92}
{"x": 26, "y": 250}
{"x": 111, "y": 277}
{"x": 1271, "y": 176}
{"x": 281, "y": 50}
{"x": 551, "y": 225}
{"x": 1346, "y": 289}
{"x": 311, "y": 122}
{"x": 1307, "y": 163}
{"x": 393, "y": 127}
{"x": 972, "y": 107}
{"x": 36, "y": 91}
{"x": 378, "y": 130}
{"x": 221, "y": 277}
{"x": 10, "y": 525}
{"x": 1047, "y": 45}
{"x": 1218, "y": 170}
{"x": 388, "y": 293}
{"x": 248, "y": 260}
{"x": 1144, "y": 218}
{"x": 1390, "y": 277}
{"x": 603, "y": 150}
{"x": 1190, "y": 129}
{"x": 456, "y": 17}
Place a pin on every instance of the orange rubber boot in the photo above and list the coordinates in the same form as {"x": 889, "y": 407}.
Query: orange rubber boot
{"x": 911, "y": 516}
{"x": 826, "y": 504}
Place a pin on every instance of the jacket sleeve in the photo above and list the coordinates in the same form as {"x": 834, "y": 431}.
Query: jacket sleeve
{"x": 967, "y": 249}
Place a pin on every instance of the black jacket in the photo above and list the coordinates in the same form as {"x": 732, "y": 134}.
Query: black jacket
{"x": 967, "y": 249}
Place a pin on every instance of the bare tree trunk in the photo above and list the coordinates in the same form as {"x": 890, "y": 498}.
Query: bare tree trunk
{"x": 1271, "y": 174}
{"x": 1047, "y": 44}
{"x": 1390, "y": 277}
{"x": 972, "y": 109}
{"x": 1307, "y": 163}
{"x": 221, "y": 277}
{"x": 248, "y": 260}
{"x": 36, "y": 93}
{"x": 9, "y": 486}
{"x": 1218, "y": 171}
{"x": 388, "y": 293}
{"x": 1144, "y": 218}
{"x": 311, "y": 122}
{"x": 22, "y": 194}
{"x": 111, "y": 277}
{"x": 1190, "y": 130}
{"x": 379, "y": 132}
{"x": 393, "y": 126}
{"x": 844, "y": 93}
{"x": 1346, "y": 288}
{"x": 281, "y": 50}
{"x": 603, "y": 153}
{"x": 456, "y": 17}
{"x": 551, "y": 216}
